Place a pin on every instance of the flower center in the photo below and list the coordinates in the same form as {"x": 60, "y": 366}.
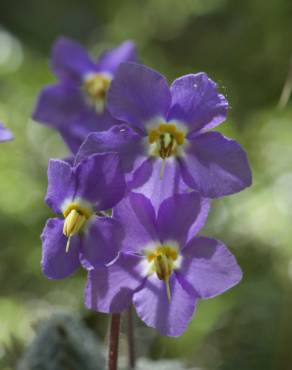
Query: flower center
{"x": 162, "y": 259}
{"x": 96, "y": 86}
{"x": 75, "y": 219}
{"x": 166, "y": 139}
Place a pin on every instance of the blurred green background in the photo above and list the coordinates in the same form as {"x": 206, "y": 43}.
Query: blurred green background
{"x": 243, "y": 45}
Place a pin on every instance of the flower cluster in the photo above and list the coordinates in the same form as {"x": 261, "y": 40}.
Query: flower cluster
{"x": 146, "y": 151}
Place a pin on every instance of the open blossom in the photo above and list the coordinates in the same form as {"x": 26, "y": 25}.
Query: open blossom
{"x": 164, "y": 268}
{"x": 169, "y": 127}
{"x": 79, "y": 193}
{"x": 75, "y": 105}
{"x": 142, "y": 173}
{"x": 5, "y": 134}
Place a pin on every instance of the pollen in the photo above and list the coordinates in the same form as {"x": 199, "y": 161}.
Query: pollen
{"x": 167, "y": 250}
{"x": 167, "y": 138}
{"x": 75, "y": 219}
{"x": 162, "y": 260}
{"x": 96, "y": 86}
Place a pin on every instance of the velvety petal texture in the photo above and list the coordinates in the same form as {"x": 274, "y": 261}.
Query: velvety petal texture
{"x": 73, "y": 138}
{"x": 149, "y": 182}
{"x": 61, "y": 184}
{"x": 209, "y": 163}
{"x": 100, "y": 242}
{"x": 67, "y": 106}
{"x": 56, "y": 262}
{"x": 197, "y": 103}
{"x": 98, "y": 180}
{"x": 137, "y": 216}
{"x": 94, "y": 184}
{"x": 202, "y": 268}
{"x": 60, "y": 105}
{"x": 215, "y": 165}
{"x": 209, "y": 267}
{"x": 138, "y": 94}
{"x": 167, "y": 317}
{"x": 5, "y": 134}
{"x": 70, "y": 61}
{"x": 120, "y": 139}
{"x": 142, "y": 173}
{"x": 178, "y": 218}
{"x": 181, "y": 215}
{"x": 111, "y": 289}
{"x": 110, "y": 60}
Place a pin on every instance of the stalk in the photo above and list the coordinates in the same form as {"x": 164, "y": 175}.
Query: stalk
{"x": 131, "y": 339}
{"x": 114, "y": 341}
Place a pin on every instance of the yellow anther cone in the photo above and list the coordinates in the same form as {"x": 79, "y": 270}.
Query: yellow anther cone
{"x": 73, "y": 223}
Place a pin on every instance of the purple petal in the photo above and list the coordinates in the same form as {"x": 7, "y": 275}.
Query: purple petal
{"x": 110, "y": 289}
{"x": 100, "y": 180}
{"x": 77, "y": 131}
{"x": 123, "y": 140}
{"x": 209, "y": 267}
{"x": 196, "y": 101}
{"x": 5, "y": 134}
{"x": 101, "y": 242}
{"x": 120, "y": 139}
{"x": 137, "y": 216}
{"x": 56, "y": 263}
{"x": 64, "y": 107}
{"x": 70, "y": 61}
{"x": 59, "y": 105}
{"x": 61, "y": 184}
{"x": 215, "y": 165}
{"x": 153, "y": 307}
{"x": 72, "y": 139}
{"x": 181, "y": 217}
{"x": 138, "y": 94}
{"x": 159, "y": 188}
{"x": 141, "y": 174}
{"x": 111, "y": 59}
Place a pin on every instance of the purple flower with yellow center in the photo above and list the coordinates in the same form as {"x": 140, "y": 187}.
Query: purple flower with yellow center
{"x": 170, "y": 127}
{"x": 5, "y": 134}
{"x": 164, "y": 268}
{"x": 80, "y": 193}
{"x": 75, "y": 106}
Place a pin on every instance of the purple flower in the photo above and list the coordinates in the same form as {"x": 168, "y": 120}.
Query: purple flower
{"x": 79, "y": 193}
{"x": 164, "y": 268}
{"x": 170, "y": 127}
{"x": 75, "y": 105}
{"x": 142, "y": 172}
{"x": 5, "y": 134}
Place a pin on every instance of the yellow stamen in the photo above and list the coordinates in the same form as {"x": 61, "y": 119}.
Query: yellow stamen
{"x": 75, "y": 219}
{"x": 84, "y": 210}
{"x": 166, "y": 139}
{"x": 96, "y": 86}
{"x": 169, "y": 251}
{"x": 163, "y": 258}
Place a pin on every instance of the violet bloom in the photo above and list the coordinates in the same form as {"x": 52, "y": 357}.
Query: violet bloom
{"x": 5, "y": 134}
{"x": 75, "y": 105}
{"x": 164, "y": 268}
{"x": 169, "y": 127}
{"x": 80, "y": 193}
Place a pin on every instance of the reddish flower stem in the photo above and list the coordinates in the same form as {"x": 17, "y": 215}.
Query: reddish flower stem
{"x": 114, "y": 341}
{"x": 131, "y": 339}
